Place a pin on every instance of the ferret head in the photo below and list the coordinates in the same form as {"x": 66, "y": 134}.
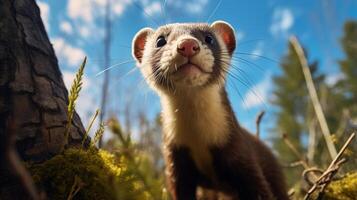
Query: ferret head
{"x": 184, "y": 56}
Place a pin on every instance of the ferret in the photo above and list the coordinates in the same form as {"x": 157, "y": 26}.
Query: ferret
{"x": 203, "y": 143}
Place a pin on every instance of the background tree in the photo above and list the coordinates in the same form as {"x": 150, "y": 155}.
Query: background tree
{"x": 340, "y": 99}
{"x": 347, "y": 88}
{"x": 348, "y": 66}
{"x": 32, "y": 93}
{"x": 292, "y": 102}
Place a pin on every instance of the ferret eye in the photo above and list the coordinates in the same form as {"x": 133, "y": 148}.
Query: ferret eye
{"x": 209, "y": 39}
{"x": 161, "y": 41}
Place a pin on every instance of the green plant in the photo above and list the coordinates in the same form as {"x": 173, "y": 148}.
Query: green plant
{"x": 73, "y": 96}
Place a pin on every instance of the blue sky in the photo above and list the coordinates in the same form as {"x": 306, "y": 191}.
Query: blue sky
{"x": 75, "y": 28}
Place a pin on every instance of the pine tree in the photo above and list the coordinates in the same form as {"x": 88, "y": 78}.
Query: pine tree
{"x": 292, "y": 102}
{"x": 347, "y": 89}
{"x": 348, "y": 67}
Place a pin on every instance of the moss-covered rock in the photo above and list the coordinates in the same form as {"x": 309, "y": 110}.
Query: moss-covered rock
{"x": 103, "y": 175}
{"x": 343, "y": 189}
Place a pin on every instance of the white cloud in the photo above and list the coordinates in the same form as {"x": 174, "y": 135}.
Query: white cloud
{"x": 153, "y": 8}
{"x": 67, "y": 53}
{"x": 82, "y": 10}
{"x": 258, "y": 94}
{"x": 84, "y": 31}
{"x": 196, "y": 6}
{"x": 45, "y": 13}
{"x": 283, "y": 20}
{"x": 66, "y": 27}
{"x": 86, "y": 13}
{"x": 332, "y": 79}
{"x": 190, "y": 6}
{"x": 258, "y": 50}
{"x": 118, "y": 8}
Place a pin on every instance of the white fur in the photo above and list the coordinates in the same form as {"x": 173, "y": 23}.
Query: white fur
{"x": 171, "y": 60}
{"x": 197, "y": 120}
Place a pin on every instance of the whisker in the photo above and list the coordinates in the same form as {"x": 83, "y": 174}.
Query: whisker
{"x": 163, "y": 11}
{"x": 248, "y": 62}
{"x": 236, "y": 78}
{"x": 124, "y": 75}
{"x": 147, "y": 14}
{"x": 115, "y": 65}
{"x": 259, "y": 56}
{"x": 249, "y": 41}
{"x": 234, "y": 58}
{"x": 237, "y": 91}
{"x": 248, "y": 85}
{"x": 245, "y": 75}
{"x": 128, "y": 73}
{"x": 214, "y": 11}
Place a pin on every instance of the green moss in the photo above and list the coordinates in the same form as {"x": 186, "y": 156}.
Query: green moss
{"x": 343, "y": 189}
{"x": 104, "y": 176}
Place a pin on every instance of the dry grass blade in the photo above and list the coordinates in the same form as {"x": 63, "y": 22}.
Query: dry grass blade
{"x": 72, "y": 97}
{"x": 90, "y": 126}
{"x": 314, "y": 98}
{"x": 323, "y": 181}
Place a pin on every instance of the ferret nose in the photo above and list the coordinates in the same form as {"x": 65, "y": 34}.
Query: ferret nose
{"x": 188, "y": 47}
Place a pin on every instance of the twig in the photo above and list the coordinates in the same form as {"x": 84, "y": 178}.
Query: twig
{"x": 294, "y": 164}
{"x": 314, "y": 98}
{"x": 323, "y": 181}
{"x": 257, "y": 122}
{"x": 16, "y": 165}
{"x": 314, "y": 170}
{"x": 301, "y": 158}
{"x": 291, "y": 193}
{"x": 77, "y": 185}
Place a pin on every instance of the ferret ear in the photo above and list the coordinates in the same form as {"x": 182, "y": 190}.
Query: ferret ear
{"x": 139, "y": 42}
{"x": 226, "y": 32}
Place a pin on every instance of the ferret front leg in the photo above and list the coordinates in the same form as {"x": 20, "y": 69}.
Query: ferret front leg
{"x": 181, "y": 175}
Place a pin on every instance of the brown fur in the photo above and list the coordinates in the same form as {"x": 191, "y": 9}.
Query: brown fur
{"x": 204, "y": 145}
{"x": 244, "y": 168}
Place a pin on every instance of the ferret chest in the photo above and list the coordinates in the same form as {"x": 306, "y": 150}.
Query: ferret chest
{"x": 198, "y": 126}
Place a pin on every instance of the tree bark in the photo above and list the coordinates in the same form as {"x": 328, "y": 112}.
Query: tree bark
{"x": 32, "y": 92}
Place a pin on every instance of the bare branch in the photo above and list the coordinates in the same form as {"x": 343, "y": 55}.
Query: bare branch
{"x": 298, "y": 155}
{"x": 106, "y": 78}
{"x": 257, "y": 122}
{"x": 302, "y": 161}
{"x": 323, "y": 181}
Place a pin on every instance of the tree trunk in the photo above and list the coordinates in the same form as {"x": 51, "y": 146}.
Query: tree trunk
{"x": 32, "y": 92}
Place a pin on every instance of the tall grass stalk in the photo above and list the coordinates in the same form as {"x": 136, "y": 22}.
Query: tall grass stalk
{"x": 72, "y": 97}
